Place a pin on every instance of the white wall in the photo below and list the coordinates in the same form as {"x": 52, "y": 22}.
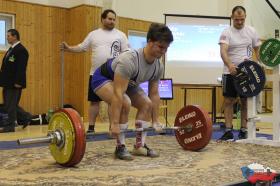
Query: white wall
{"x": 262, "y": 17}
{"x": 153, "y": 10}
{"x": 65, "y": 3}
{"x": 259, "y": 14}
{"x": 276, "y": 4}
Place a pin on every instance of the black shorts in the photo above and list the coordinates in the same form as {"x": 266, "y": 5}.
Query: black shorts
{"x": 228, "y": 87}
{"x": 92, "y": 97}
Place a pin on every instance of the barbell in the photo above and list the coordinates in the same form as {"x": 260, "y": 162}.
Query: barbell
{"x": 250, "y": 78}
{"x": 193, "y": 127}
{"x": 67, "y": 139}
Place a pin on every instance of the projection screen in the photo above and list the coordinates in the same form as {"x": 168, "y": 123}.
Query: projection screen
{"x": 194, "y": 55}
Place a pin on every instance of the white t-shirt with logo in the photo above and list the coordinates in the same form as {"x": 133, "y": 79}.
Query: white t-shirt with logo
{"x": 241, "y": 43}
{"x": 105, "y": 44}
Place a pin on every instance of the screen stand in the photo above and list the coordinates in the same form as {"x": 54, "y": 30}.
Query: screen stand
{"x": 165, "y": 112}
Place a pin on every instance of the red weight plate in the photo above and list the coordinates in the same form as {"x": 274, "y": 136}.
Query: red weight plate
{"x": 80, "y": 138}
{"x": 199, "y": 122}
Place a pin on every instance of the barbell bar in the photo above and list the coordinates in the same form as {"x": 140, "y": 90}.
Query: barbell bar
{"x": 56, "y": 137}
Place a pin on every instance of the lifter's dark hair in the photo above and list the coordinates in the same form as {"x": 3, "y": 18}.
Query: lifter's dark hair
{"x": 106, "y": 12}
{"x": 159, "y": 32}
{"x": 14, "y": 32}
{"x": 238, "y": 8}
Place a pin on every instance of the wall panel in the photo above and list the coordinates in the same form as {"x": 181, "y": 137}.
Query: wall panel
{"x": 80, "y": 21}
{"x": 41, "y": 29}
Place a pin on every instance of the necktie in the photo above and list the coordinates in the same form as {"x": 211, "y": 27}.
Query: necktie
{"x": 8, "y": 52}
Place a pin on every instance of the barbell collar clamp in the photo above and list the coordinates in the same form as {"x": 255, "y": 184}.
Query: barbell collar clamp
{"x": 56, "y": 137}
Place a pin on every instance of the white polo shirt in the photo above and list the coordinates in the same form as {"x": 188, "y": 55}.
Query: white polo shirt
{"x": 241, "y": 43}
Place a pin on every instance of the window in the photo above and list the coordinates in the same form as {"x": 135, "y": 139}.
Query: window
{"x": 137, "y": 39}
{"x": 7, "y": 21}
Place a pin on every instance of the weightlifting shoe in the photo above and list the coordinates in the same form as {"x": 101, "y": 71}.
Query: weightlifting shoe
{"x": 122, "y": 153}
{"x": 242, "y": 134}
{"x": 144, "y": 151}
{"x": 228, "y": 136}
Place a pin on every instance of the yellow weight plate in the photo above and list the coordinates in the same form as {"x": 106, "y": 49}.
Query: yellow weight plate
{"x": 60, "y": 121}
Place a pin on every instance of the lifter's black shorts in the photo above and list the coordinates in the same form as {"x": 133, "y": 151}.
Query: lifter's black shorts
{"x": 228, "y": 87}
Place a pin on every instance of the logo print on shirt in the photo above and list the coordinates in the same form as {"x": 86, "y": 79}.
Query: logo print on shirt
{"x": 249, "y": 51}
{"x": 115, "y": 48}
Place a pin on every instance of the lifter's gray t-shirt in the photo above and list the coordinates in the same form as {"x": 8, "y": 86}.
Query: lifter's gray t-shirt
{"x": 132, "y": 63}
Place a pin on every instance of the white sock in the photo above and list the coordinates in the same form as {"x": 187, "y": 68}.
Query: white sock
{"x": 141, "y": 136}
{"x": 121, "y": 138}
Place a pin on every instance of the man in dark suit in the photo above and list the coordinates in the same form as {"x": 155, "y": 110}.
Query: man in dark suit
{"x": 13, "y": 80}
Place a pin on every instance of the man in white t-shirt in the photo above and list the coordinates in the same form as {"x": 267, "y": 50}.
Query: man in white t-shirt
{"x": 236, "y": 45}
{"x": 106, "y": 42}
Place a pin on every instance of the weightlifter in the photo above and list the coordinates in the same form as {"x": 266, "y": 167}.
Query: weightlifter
{"x": 236, "y": 45}
{"x": 117, "y": 83}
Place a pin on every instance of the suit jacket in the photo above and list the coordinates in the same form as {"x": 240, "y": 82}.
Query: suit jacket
{"x": 13, "y": 69}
